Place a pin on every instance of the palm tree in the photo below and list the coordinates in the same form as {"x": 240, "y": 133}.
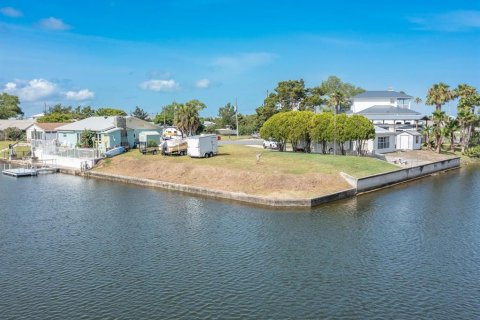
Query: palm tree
{"x": 427, "y": 132}
{"x": 418, "y": 100}
{"x": 187, "y": 119}
{"x": 336, "y": 100}
{"x": 451, "y": 126}
{"x": 438, "y": 118}
{"x": 439, "y": 94}
{"x": 469, "y": 99}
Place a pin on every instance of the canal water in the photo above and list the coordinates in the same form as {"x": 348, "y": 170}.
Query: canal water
{"x": 74, "y": 248}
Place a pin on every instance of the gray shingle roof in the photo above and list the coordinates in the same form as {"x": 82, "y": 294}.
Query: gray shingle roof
{"x": 92, "y": 123}
{"x": 135, "y": 123}
{"x": 387, "y": 109}
{"x": 20, "y": 124}
{"x": 101, "y": 124}
{"x": 389, "y": 112}
{"x": 382, "y": 94}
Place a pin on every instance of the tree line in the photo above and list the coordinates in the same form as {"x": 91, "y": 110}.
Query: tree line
{"x": 301, "y": 128}
{"x": 443, "y": 127}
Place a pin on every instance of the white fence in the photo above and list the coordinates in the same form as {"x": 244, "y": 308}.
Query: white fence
{"x": 77, "y": 158}
{"x": 52, "y": 148}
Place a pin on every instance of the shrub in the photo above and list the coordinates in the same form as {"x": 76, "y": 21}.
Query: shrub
{"x": 473, "y": 152}
{"x": 14, "y": 134}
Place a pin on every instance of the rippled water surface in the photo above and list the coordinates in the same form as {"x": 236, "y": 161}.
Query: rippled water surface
{"x": 73, "y": 248}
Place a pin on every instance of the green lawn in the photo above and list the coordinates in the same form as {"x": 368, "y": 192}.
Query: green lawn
{"x": 244, "y": 158}
{"x": 4, "y": 145}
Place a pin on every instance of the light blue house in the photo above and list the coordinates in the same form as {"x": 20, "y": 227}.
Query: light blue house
{"x": 110, "y": 132}
{"x": 135, "y": 126}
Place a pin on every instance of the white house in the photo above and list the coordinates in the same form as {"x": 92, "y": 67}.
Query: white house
{"x": 385, "y": 107}
{"x": 389, "y": 111}
{"x": 409, "y": 140}
{"x": 109, "y": 132}
{"x": 43, "y": 131}
{"x": 384, "y": 141}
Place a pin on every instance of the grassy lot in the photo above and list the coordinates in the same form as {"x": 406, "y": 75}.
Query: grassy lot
{"x": 274, "y": 162}
{"x": 4, "y": 145}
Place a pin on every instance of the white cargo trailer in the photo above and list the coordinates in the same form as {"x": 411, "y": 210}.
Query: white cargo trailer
{"x": 202, "y": 146}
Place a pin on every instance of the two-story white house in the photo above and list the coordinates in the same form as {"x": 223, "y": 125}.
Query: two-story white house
{"x": 386, "y": 107}
{"x": 392, "y": 116}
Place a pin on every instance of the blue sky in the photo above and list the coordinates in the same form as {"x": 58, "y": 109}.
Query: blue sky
{"x": 150, "y": 53}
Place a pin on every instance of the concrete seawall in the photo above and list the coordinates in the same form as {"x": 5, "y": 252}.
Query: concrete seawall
{"x": 385, "y": 179}
{"x": 258, "y": 200}
{"x": 358, "y": 185}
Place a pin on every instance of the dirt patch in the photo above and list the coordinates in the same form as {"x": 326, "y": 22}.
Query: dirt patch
{"x": 415, "y": 157}
{"x": 278, "y": 185}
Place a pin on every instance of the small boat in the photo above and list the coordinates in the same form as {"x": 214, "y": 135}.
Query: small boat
{"x": 114, "y": 152}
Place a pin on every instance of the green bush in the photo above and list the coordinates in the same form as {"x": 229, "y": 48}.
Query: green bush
{"x": 473, "y": 152}
{"x": 14, "y": 134}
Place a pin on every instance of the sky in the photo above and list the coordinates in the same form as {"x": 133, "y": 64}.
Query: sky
{"x": 124, "y": 54}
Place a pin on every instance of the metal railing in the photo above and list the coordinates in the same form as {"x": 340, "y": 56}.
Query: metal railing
{"x": 53, "y": 148}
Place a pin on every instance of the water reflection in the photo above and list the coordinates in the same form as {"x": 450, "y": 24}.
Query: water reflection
{"x": 73, "y": 248}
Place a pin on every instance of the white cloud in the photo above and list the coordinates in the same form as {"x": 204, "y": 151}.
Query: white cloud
{"x": 54, "y": 24}
{"x": 33, "y": 90}
{"x": 202, "y": 83}
{"x": 453, "y": 21}
{"x": 80, "y": 95}
{"x": 243, "y": 61}
{"x": 159, "y": 85}
{"x": 11, "y": 12}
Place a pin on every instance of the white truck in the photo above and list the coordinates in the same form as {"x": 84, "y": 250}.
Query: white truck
{"x": 202, "y": 146}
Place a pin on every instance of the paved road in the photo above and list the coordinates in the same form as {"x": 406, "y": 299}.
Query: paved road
{"x": 241, "y": 142}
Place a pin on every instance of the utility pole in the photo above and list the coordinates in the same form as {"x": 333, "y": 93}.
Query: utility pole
{"x": 236, "y": 113}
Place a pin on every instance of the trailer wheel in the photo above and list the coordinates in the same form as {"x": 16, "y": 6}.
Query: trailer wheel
{"x": 211, "y": 154}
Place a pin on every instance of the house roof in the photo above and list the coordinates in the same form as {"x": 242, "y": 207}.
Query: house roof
{"x": 50, "y": 126}
{"x": 380, "y": 130}
{"x": 92, "y": 123}
{"x": 388, "y": 112}
{"x": 411, "y": 132}
{"x": 112, "y": 130}
{"x": 135, "y": 124}
{"x": 383, "y": 94}
{"x": 101, "y": 124}
{"x": 20, "y": 124}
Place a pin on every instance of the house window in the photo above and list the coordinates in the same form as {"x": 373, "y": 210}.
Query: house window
{"x": 416, "y": 139}
{"x": 383, "y": 142}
